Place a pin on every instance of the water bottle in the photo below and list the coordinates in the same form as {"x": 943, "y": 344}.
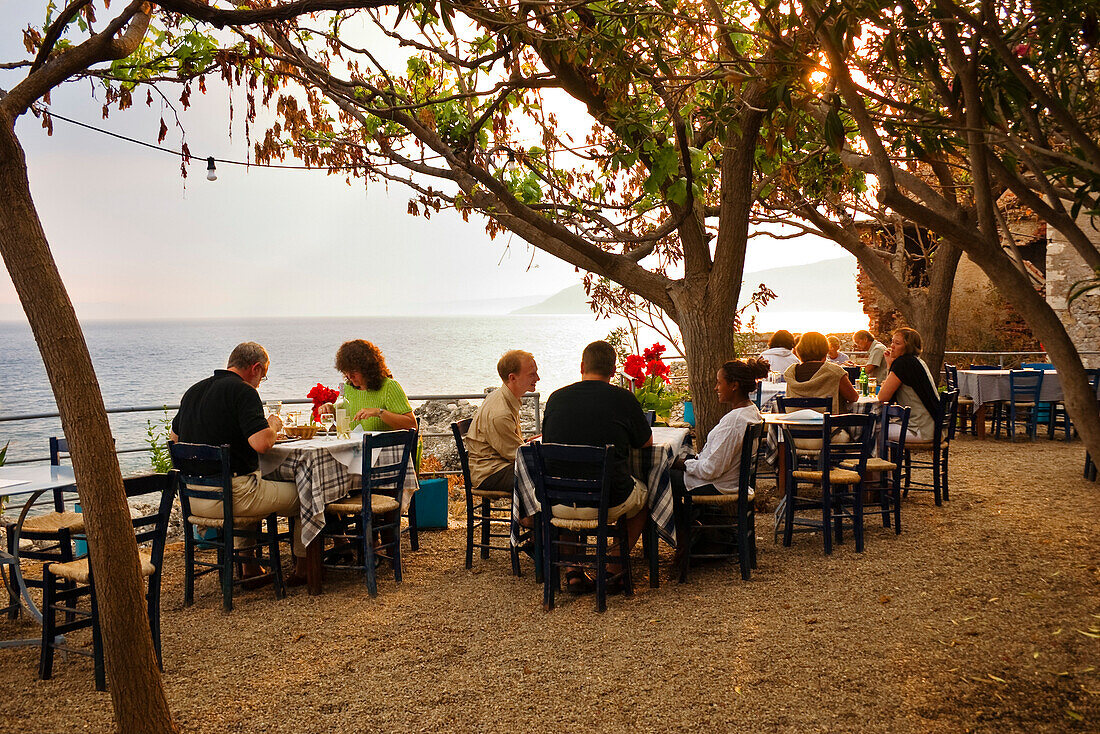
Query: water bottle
{"x": 343, "y": 427}
{"x": 862, "y": 381}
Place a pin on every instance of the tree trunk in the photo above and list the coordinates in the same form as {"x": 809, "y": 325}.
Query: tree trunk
{"x": 708, "y": 343}
{"x": 930, "y": 319}
{"x": 135, "y": 682}
{"x": 1077, "y": 394}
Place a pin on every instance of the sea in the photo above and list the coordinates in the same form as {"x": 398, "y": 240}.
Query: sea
{"x": 141, "y": 363}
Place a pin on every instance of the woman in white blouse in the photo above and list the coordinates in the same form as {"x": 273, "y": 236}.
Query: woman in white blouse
{"x": 717, "y": 467}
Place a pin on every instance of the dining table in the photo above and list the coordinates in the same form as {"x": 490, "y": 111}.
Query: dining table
{"x": 33, "y": 480}
{"x": 989, "y": 387}
{"x": 325, "y": 469}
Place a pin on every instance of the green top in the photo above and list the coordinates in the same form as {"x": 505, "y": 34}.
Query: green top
{"x": 390, "y": 397}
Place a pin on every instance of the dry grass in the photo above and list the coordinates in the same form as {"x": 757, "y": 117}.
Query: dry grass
{"x": 980, "y": 616}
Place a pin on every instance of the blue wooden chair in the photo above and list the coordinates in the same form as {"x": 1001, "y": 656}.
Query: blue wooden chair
{"x": 52, "y": 531}
{"x": 886, "y": 467}
{"x": 353, "y": 522}
{"x": 806, "y": 449}
{"x": 966, "y": 403}
{"x": 482, "y": 516}
{"x": 578, "y": 476}
{"x": 204, "y": 474}
{"x": 65, "y": 584}
{"x": 841, "y": 490}
{"x": 1024, "y": 387}
{"x": 938, "y": 450}
{"x": 725, "y": 514}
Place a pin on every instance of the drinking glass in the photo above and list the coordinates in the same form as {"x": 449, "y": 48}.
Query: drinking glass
{"x": 328, "y": 420}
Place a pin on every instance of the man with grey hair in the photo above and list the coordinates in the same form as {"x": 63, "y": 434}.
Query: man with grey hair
{"x": 875, "y": 365}
{"x": 225, "y": 408}
{"x": 495, "y": 433}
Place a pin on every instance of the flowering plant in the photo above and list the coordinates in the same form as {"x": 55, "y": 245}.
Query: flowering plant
{"x": 649, "y": 373}
{"x": 320, "y": 394}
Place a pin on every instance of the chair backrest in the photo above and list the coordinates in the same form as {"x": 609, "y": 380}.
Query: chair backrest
{"x": 893, "y": 415}
{"x": 386, "y": 478}
{"x": 460, "y": 429}
{"x": 750, "y": 446}
{"x": 758, "y": 396}
{"x": 861, "y": 439}
{"x": 651, "y": 417}
{"x": 566, "y": 474}
{"x": 788, "y": 405}
{"x": 1094, "y": 380}
{"x": 947, "y": 418}
{"x": 1025, "y": 384}
{"x": 153, "y": 528}
{"x": 58, "y": 445}
{"x": 1045, "y": 366}
{"x": 951, "y": 376}
{"x": 204, "y": 474}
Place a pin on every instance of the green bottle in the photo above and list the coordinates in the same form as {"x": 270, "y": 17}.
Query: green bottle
{"x": 862, "y": 381}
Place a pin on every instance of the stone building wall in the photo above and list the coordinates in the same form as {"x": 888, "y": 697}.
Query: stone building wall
{"x": 1065, "y": 267}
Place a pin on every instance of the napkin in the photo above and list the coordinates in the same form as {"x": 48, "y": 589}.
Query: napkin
{"x": 357, "y": 431}
{"x": 805, "y": 415}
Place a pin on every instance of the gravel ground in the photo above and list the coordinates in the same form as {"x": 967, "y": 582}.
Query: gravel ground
{"x": 984, "y": 615}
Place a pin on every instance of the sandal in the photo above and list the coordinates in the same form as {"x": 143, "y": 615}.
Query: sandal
{"x": 577, "y": 582}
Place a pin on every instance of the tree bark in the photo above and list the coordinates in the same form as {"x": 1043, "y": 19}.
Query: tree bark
{"x": 136, "y": 689}
{"x": 708, "y": 343}
{"x": 1077, "y": 394}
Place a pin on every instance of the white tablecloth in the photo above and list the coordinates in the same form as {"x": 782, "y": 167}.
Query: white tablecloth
{"x": 325, "y": 470}
{"x": 990, "y": 386}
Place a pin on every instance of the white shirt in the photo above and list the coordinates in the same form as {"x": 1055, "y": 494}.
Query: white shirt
{"x": 719, "y": 463}
{"x": 779, "y": 358}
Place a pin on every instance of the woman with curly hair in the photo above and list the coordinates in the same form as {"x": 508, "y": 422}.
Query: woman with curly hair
{"x": 375, "y": 400}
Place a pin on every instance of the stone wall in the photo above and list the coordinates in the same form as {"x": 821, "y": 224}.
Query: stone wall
{"x": 1064, "y": 267}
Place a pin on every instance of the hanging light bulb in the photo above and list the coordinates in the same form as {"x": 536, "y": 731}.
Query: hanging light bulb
{"x": 211, "y": 172}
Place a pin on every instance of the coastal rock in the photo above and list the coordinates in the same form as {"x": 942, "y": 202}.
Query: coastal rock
{"x": 435, "y": 418}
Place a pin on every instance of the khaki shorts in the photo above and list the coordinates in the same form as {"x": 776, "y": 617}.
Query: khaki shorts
{"x": 630, "y": 507}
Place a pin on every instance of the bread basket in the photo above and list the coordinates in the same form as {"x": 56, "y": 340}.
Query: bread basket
{"x": 306, "y": 432}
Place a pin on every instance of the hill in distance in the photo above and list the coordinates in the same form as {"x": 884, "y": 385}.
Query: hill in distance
{"x": 827, "y": 285}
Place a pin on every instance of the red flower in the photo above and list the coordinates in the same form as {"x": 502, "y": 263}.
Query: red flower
{"x": 658, "y": 368}
{"x": 654, "y": 352}
{"x": 320, "y": 394}
{"x": 634, "y": 367}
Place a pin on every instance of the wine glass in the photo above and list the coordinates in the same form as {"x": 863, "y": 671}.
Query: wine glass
{"x": 328, "y": 420}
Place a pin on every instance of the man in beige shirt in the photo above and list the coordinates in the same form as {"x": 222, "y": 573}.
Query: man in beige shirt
{"x": 495, "y": 434}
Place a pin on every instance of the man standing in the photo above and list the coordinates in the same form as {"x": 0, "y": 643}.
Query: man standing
{"x": 876, "y": 354}
{"x": 495, "y": 433}
{"x": 226, "y": 409}
{"x": 594, "y": 412}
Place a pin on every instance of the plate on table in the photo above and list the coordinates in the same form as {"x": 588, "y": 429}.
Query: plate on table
{"x": 287, "y": 439}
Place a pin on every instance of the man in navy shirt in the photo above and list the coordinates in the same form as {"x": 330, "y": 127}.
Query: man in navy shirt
{"x": 226, "y": 409}
{"x": 596, "y": 413}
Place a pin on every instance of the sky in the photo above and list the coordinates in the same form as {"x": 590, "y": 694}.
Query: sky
{"x": 134, "y": 240}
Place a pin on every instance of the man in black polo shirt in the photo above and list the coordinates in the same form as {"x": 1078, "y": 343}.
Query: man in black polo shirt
{"x": 594, "y": 412}
{"x": 226, "y": 409}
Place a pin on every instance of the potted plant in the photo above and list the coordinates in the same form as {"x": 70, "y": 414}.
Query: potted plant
{"x": 649, "y": 375}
